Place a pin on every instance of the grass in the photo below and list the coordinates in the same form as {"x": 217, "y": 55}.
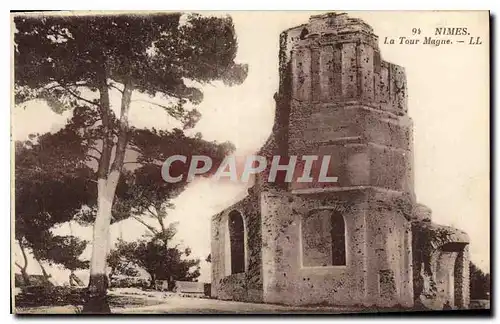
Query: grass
{"x": 129, "y": 301}
{"x": 114, "y": 302}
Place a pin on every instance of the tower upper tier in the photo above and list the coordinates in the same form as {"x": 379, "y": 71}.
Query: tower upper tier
{"x": 336, "y": 58}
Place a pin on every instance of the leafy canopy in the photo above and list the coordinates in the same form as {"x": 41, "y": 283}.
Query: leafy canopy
{"x": 52, "y": 183}
{"x": 56, "y": 55}
{"x": 73, "y": 62}
{"x": 159, "y": 260}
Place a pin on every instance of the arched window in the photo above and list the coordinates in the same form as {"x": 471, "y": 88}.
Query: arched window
{"x": 323, "y": 239}
{"x": 338, "y": 238}
{"x": 303, "y": 33}
{"x": 237, "y": 242}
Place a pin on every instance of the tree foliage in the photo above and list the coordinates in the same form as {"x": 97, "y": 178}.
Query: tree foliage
{"x": 120, "y": 265}
{"x": 158, "y": 259}
{"x": 480, "y": 283}
{"x": 75, "y": 62}
{"x": 51, "y": 185}
{"x": 156, "y": 53}
{"x": 65, "y": 250}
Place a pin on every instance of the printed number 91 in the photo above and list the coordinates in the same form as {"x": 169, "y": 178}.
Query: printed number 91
{"x": 415, "y": 31}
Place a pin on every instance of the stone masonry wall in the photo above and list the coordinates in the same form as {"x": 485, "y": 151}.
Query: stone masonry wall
{"x": 440, "y": 262}
{"x": 337, "y": 97}
{"x": 245, "y": 286}
{"x": 378, "y": 267}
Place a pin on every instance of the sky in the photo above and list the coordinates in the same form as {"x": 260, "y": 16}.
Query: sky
{"x": 448, "y": 89}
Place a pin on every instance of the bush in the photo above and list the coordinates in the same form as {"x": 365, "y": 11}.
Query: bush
{"x": 36, "y": 296}
{"x": 479, "y": 283}
{"x": 129, "y": 282}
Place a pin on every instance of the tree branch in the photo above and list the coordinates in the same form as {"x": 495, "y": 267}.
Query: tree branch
{"x": 95, "y": 149}
{"x": 131, "y": 162}
{"x": 92, "y": 123}
{"x": 168, "y": 109}
{"x": 132, "y": 148}
{"x": 149, "y": 227}
{"x": 113, "y": 86}
{"x": 24, "y": 255}
{"x": 81, "y": 98}
{"x": 151, "y": 212}
{"x": 60, "y": 85}
{"x": 123, "y": 135}
{"x": 107, "y": 142}
{"x": 93, "y": 157}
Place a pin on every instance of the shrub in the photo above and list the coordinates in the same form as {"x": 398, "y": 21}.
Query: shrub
{"x": 35, "y": 296}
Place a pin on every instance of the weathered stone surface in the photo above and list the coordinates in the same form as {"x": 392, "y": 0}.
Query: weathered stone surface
{"x": 245, "y": 286}
{"x": 441, "y": 263}
{"x": 422, "y": 213}
{"x": 480, "y": 304}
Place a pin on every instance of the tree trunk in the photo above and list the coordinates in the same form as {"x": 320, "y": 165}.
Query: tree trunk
{"x": 24, "y": 273}
{"x": 171, "y": 283}
{"x": 98, "y": 283}
{"x": 153, "y": 281}
{"x": 26, "y": 276}
{"x": 74, "y": 281}
{"x": 106, "y": 187}
{"x": 46, "y": 276}
{"x": 71, "y": 281}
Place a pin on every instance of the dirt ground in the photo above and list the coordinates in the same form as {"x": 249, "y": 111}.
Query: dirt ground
{"x": 184, "y": 305}
{"x": 135, "y": 301}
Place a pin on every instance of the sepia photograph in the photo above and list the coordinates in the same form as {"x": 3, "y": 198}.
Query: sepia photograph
{"x": 250, "y": 162}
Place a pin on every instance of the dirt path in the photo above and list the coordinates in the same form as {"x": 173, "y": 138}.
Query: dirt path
{"x": 186, "y": 305}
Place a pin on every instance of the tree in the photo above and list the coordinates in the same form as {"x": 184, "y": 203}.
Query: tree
{"x": 44, "y": 168}
{"x": 22, "y": 268}
{"x": 480, "y": 283}
{"x": 120, "y": 265}
{"x": 143, "y": 193}
{"x": 56, "y": 249}
{"x": 159, "y": 260}
{"x": 65, "y": 250}
{"x": 74, "y": 62}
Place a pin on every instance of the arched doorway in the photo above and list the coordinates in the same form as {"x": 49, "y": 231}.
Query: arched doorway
{"x": 323, "y": 239}
{"x": 338, "y": 239}
{"x": 236, "y": 241}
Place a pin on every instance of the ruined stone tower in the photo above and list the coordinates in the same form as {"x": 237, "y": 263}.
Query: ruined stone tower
{"x": 347, "y": 243}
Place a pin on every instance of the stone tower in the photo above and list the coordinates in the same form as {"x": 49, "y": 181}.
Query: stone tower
{"x": 342, "y": 243}
{"x": 343, "y": 100}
